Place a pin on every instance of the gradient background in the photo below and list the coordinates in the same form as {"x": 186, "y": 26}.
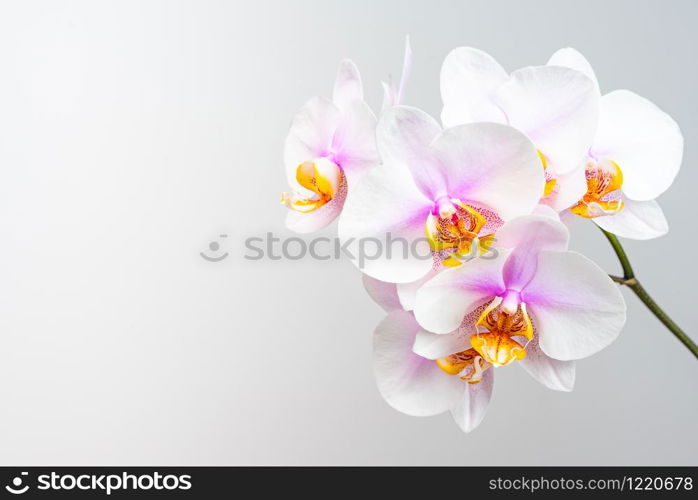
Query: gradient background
{"x": 134, "y": 133}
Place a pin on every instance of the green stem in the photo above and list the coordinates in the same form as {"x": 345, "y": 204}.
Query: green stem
{"x": 628, "y": 279}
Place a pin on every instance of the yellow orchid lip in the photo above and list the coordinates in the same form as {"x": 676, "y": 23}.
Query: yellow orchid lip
{"x": 604, "y": 181}
{"x": 468, "y": 364}
{"x": 502, "y": 319}
{"x": 456, "y": 226}
{"x": 497, "y": 348}
{"x": 322, "y": 177}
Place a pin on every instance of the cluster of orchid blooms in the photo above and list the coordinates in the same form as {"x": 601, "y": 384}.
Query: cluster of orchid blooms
{"x": 493, "y": 188}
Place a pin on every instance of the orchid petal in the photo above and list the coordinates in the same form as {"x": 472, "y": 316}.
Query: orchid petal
{"x": 311, "y": 133}
{"x": 472, "y": 406}
{"x": 571, "y": 58}
{"x": 491, "y": 164}
{"x": 469, "y": 78}
{"x": 387, "y": 207}
{"x": 446, "y": 299}
{"x": 638, "y": 220}
{"x": 552, "y": 373}
{"x": 557, "y": 108}
{"x": 408, "y": 382}
{"x": 434, "y": 346}
{"x": 347, "y": 85}
{"x": 404, "y": 134}
{"x": 642, "y": 140}
{"x": 393, "y": 95}
{"x": 576, "y": 307}
{"x": 384, "y": 294}
{"x": 528, "y": 236}
{"x": 407, "y": 292}
{"x": 354, "y": 142}
{"x": 569, "y": 189}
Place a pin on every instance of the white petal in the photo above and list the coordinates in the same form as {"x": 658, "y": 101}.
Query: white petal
{"x": 643, "y": 140}
{"x": 570, "y": 58}
{"x": 638, "y": 220}
{"x": 491, "y": 164}
{"x": 347, "y": 85}
{"x": 546, "y": 211}
{"x": 435, "y": 346}
{"x": 552, "y": 373}
{"x": 310, "y": 135}
{"x": 393, "y": 95}
{"x": 472, "y": 406}
{"x": 469, "y": 78}
{"x": 528, "y": 236}
{"x": 384, "y": 294}
{"x": 575, "y": 306}
{"x": 446, "y": 299}
{"x": 569, "y": 189}
{"x": 557, "y": 108}
{"x": 408, "y": 382}
{"x": 354, "y": 142}
{"x": 407, "y": 292}
{"x": 386, "y": 206}
{"x": 404, "y": 134}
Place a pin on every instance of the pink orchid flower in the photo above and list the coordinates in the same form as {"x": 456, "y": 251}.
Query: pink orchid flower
{"x": 442, "y": 193}
{"x": 330, "y": 145}
{"x": 535, "y": 304}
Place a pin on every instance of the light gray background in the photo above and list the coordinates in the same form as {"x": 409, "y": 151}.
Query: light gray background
{"x": 133, "y": 133}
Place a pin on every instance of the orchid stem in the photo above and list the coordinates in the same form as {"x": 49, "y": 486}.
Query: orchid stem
{"x": 628, "y": 279}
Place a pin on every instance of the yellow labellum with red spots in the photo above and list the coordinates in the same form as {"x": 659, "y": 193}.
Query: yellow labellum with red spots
{"x": 604, "y": 180}
{"x": 322, "y": 177}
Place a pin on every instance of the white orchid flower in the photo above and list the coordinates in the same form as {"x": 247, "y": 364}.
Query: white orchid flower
{"x": 439, "y": 195}
{"x": 556, "y": 107}
{"x": 536, "y": 304}
{"x": 634, "y": 158}
{"x": 331, "y": 143}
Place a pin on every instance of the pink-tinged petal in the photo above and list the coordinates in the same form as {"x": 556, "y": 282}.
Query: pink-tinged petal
{"x": 311, "y": 134}
{"x": 407, "y": 292}
{"x": 384, "y": 294}
{"x": 569, "y": 189}
{"x": 552, "y": 373}
{"x": 558, "y": 108}
{"x": 472, "y": 406}
{"x": 469, "y": 79}
{"x": 638, "y": 220}
{"x": 528, "y": 236}
{"x": 570, "y": 58}
{"x": 386, "y": 206}
{"x": 347, "y": 85}
{"x": 408, "y": 382}
{"x": 575, "y": 306}
{"x": 642, "y": 140}
{"x": 404, "y": 135}
{"x": 491, "y": 164}
{"x": 445, "y": 300}
{"x": 354, "y": 142}
{"x": 546, "y": 211}
{"x": 434, "y": 346}
{"x": 568, "y": 218}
